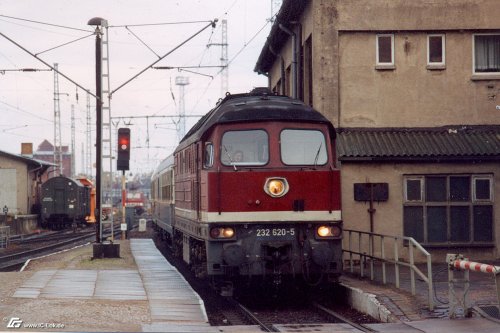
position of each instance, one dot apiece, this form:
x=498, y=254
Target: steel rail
x=341, y=318
x=256, y=320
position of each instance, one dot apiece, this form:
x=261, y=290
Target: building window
x=385, y=50
x=449, y=209
x=435, y=50
x=487, y=53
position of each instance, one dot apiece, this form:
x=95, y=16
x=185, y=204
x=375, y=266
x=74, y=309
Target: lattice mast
x=57, y=124
x=181, y=81
x=224, y=60
x=73, y=158
x=107, y=139
x=88, y=141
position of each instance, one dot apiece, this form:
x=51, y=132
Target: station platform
x=71, y=292
x=400, y=311
x=141, y=291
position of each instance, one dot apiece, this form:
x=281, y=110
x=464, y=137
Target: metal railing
x=373, y=247
x=4, y=237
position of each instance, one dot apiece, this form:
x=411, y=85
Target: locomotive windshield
x=245, y=148
x=303, y=147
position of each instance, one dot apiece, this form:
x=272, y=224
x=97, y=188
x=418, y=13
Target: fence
x=4, y=237
x=373, y=247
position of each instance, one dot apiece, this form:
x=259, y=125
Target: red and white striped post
x=475, y=266
x=458, y=262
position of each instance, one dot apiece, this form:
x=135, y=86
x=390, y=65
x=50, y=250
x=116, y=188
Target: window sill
x=485, y=77
x=436, y=67
x=385, y=67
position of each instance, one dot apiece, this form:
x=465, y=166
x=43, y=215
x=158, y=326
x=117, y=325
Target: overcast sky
x=27, y=98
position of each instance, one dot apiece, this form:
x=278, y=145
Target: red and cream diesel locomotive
x=252, y=192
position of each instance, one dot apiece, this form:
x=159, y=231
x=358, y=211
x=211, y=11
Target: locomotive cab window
x=303, y=147
x=245, y=148
x=208, y=160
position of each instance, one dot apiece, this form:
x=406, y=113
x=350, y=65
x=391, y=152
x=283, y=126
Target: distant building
x=45, y=152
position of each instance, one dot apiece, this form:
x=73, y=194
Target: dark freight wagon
x=64, y=201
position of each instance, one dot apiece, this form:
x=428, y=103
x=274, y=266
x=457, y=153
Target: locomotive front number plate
x=285, y=233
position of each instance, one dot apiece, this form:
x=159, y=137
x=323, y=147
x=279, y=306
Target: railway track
x=295, y=307
x=340, y=318
x=238, y=314
x=57, y=240
x=17, y=258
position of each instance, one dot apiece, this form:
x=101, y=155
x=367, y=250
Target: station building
x=20, y=179
x=413, y=89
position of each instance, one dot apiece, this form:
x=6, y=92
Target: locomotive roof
x=258, y=105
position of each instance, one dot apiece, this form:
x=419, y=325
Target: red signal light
x=123, y=149
x=124, y=143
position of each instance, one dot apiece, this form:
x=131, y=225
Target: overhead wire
x=155, y=24
x=24, y=111
x=45, y=23
x=67, y=43
x=232, y=59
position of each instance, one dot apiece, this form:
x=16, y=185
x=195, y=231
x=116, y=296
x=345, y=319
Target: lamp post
x=98, y=23
x=5, y=211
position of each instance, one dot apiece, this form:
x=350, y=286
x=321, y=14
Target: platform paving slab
x=171, y=298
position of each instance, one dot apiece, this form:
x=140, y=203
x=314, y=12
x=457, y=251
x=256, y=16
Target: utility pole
x=181, y=81
x=98, y=23
x=83, y=166
x=73, y=152
x=224, y=60
x=57, y=124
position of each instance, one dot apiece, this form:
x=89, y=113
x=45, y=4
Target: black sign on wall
x=371, y=191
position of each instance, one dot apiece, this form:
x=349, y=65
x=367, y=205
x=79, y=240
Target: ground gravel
x=75, y=314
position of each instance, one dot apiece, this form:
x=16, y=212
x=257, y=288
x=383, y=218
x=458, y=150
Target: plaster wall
x=411, y=95
x=388, y=218
x=22, y=190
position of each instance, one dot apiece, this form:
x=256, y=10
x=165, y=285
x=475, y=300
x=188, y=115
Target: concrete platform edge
x=368, y=304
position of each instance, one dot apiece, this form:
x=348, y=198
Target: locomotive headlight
x=276, y=187
x=228, y=232
x=324, y=231
x=222, y=232
x=329, y=231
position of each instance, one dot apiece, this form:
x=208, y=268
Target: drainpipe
x=283, y=76
x=294, y=58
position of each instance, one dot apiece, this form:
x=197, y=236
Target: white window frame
x=474, y=55
x=386, y=64
x=443, y=48
x=490, y=179
x=421, y=180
